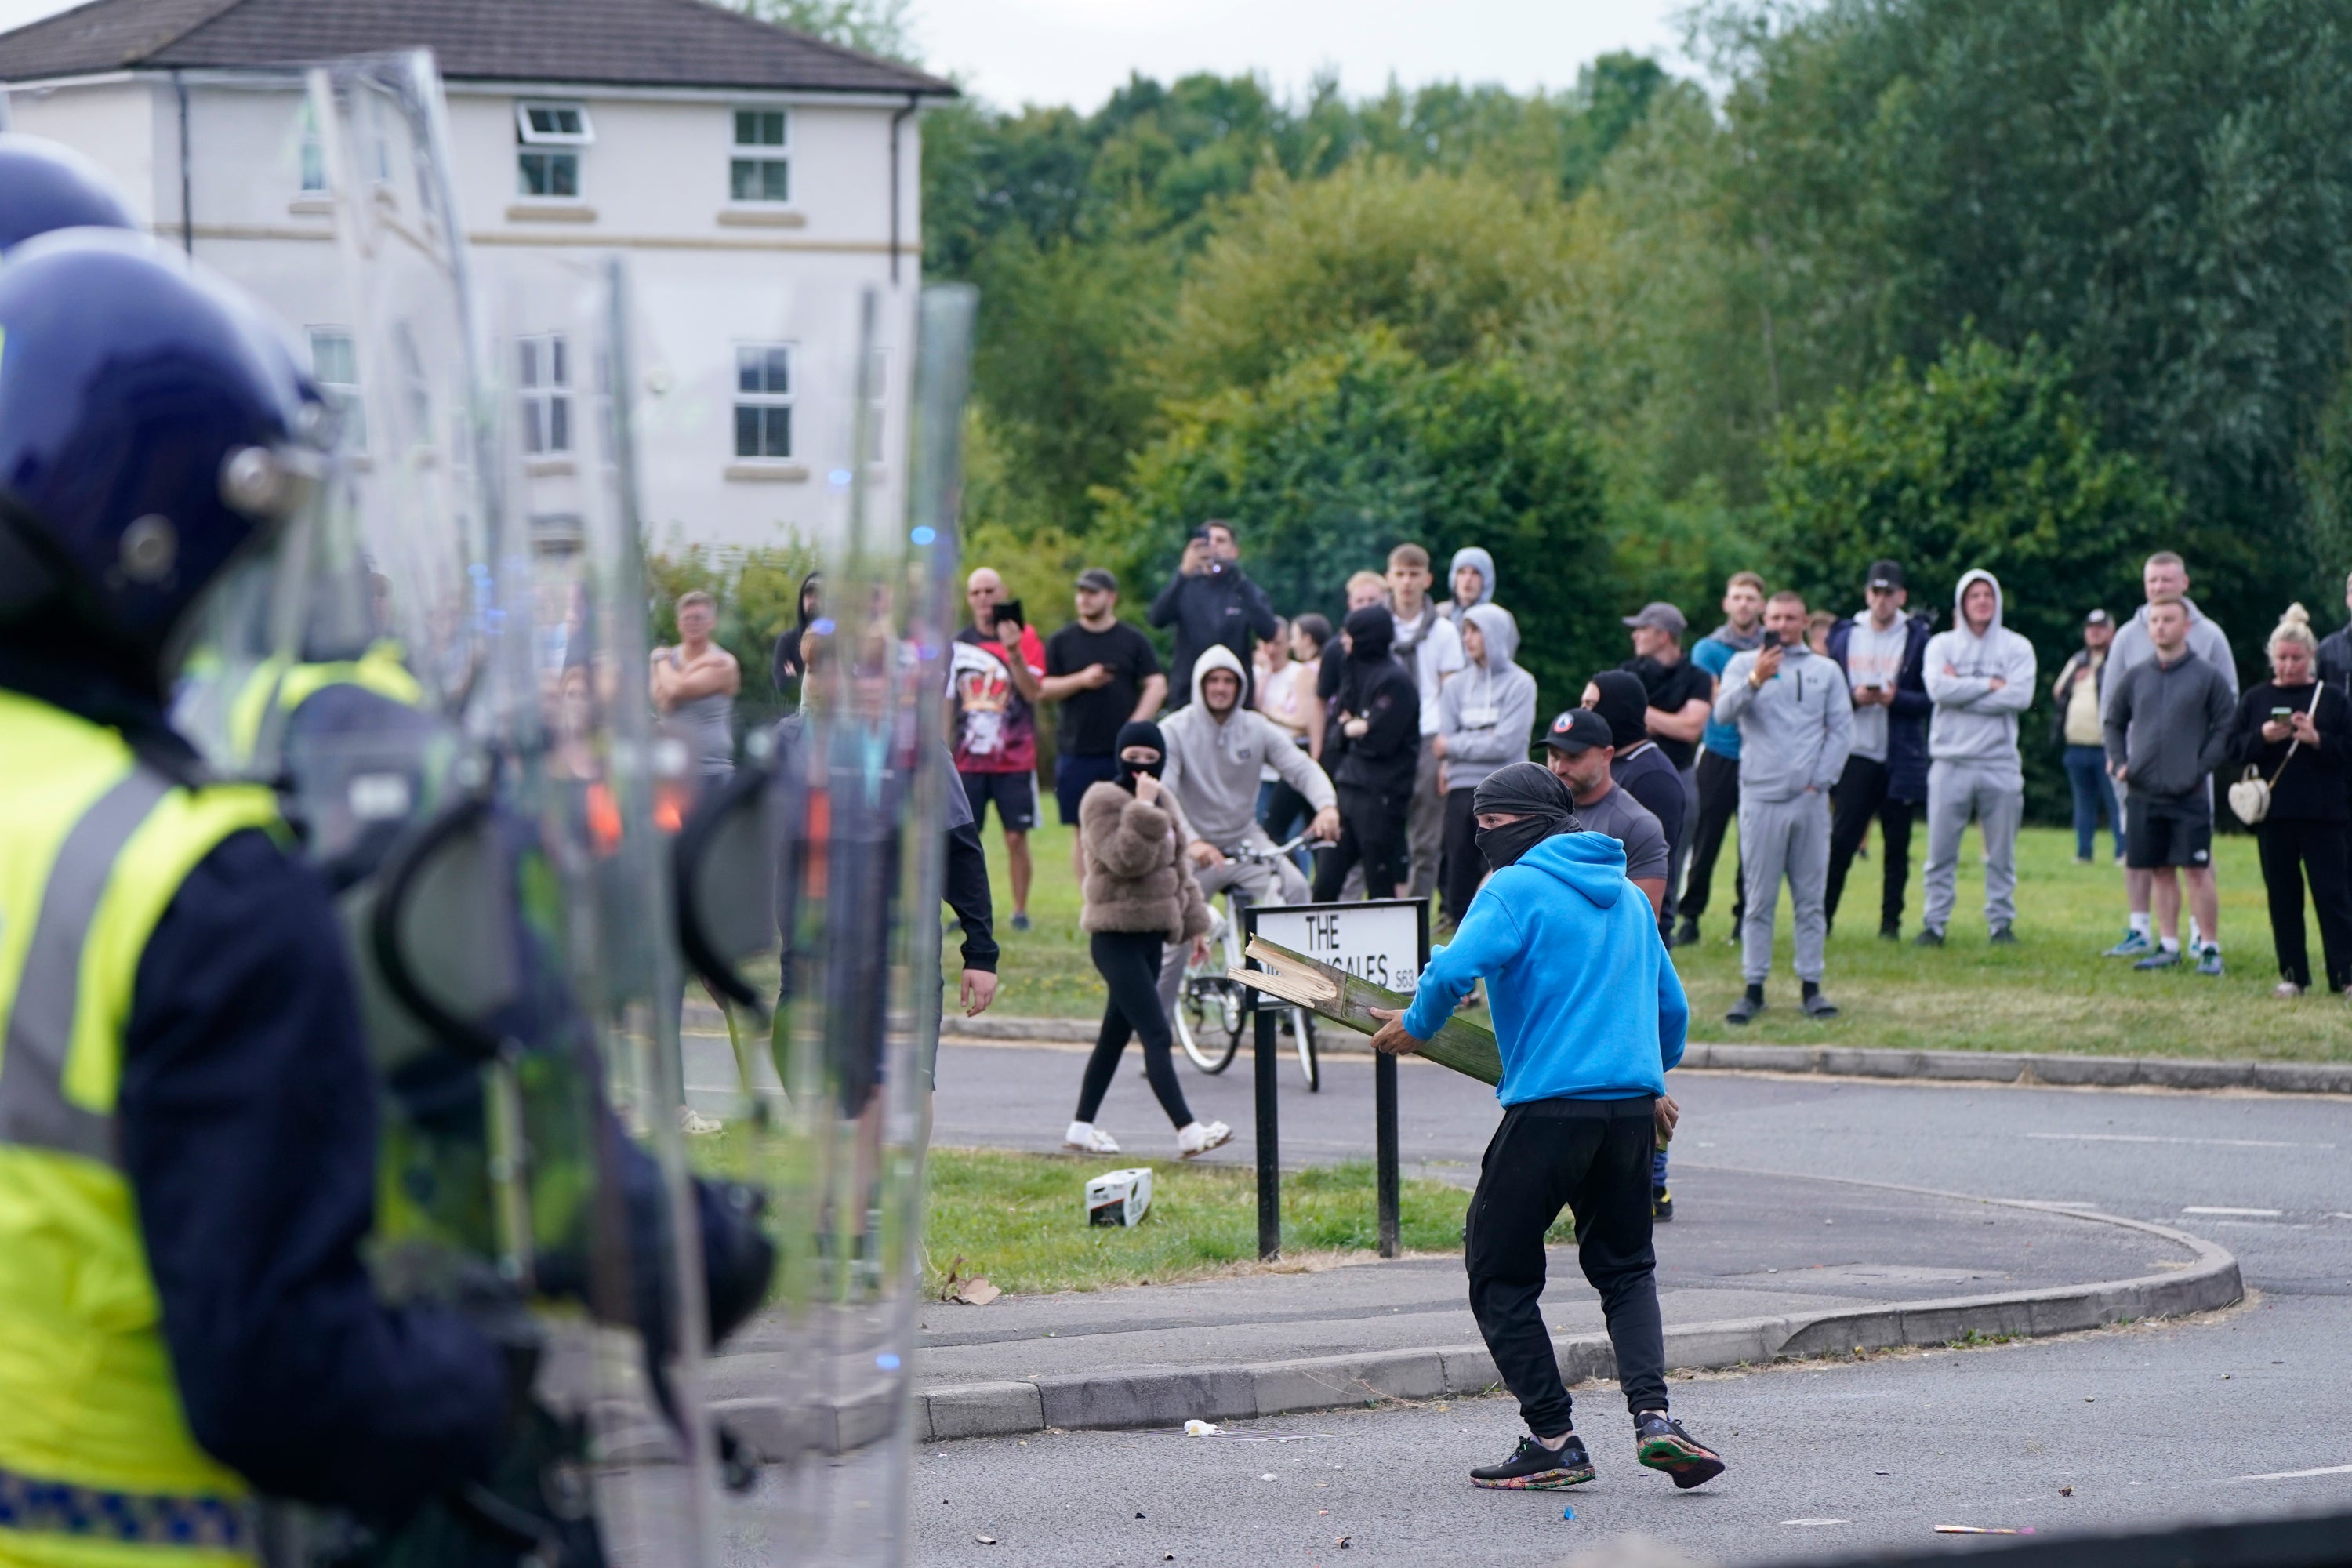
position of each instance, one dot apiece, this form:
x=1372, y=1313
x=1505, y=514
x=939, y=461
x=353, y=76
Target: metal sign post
x=1385, y=940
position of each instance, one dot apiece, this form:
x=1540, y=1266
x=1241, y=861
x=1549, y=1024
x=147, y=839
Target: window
x=761, y=172
x=551, y=135
x=312, y=155
x=764, y=400
x=334, y=366
x=543, y=380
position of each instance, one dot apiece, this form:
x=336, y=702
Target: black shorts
x=1015, y=796
x=2168, y=830
x=1073, y=777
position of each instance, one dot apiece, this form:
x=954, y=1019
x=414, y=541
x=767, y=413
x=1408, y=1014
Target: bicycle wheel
x=1200, y=1024
x=1303, y=1025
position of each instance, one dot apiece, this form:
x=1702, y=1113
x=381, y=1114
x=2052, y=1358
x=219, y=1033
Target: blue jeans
x=2086, y=774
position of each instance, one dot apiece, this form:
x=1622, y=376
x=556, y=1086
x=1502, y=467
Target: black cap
x=1577, y=730
x=1095, y=577
x=1886, y=574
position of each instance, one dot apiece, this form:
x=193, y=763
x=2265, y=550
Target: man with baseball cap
x=1883, y=653
x=1578, y=749
x=1680, y=693
x=1104, y=673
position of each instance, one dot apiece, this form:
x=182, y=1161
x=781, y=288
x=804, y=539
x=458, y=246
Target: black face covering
x=1540, y=799
x=1139, y=732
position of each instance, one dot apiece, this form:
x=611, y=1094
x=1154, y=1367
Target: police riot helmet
x=150, y=438
x=45, y=185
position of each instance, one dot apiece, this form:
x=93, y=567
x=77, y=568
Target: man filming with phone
x=995, y=679
x=1212, y=603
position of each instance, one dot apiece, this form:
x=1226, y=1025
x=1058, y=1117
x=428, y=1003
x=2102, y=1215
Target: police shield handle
x=1347, y=999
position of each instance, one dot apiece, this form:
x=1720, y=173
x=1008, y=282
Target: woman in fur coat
x=1140, y=893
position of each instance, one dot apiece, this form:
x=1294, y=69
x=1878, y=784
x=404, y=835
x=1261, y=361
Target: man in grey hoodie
x=2164, y=576
x=2168, y=728
x=1216, y=747
x=1486, y=717
x=1981, y=677
x=1471, y=579
x=1795, y=725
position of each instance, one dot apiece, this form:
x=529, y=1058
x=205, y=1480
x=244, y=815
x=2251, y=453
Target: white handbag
x=2250, y=797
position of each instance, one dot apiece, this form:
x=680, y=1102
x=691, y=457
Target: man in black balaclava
x=1588, y=1017
x=1375, y=735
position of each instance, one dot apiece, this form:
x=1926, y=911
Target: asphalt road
x=2146, y=1424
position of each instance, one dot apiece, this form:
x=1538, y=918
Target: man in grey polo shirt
x=1577, y=749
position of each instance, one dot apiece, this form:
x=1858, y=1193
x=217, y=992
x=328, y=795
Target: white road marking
x=2297, y=1475
x=2149, y=1138
x=2242, y=1213
x=1787, y=1521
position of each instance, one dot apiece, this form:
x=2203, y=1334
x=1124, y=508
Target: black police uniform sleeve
x=248, y=1135
x=967, y=893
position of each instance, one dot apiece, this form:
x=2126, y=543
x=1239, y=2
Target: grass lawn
x=2051, y=993
x=1020, y=1220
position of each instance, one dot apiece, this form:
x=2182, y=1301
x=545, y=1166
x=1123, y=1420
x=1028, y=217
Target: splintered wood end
x=1283, y=976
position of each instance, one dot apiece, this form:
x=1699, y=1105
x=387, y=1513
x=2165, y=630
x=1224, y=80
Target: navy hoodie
x=1587, y=1006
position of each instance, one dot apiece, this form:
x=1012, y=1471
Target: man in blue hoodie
x=1589, y=1015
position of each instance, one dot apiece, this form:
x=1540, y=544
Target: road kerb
x=1169, y=1397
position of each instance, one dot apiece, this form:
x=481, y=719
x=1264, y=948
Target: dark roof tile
x=634, y=43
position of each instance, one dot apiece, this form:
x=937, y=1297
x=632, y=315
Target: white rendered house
x=756, y=181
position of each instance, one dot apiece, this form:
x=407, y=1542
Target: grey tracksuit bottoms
x=1780, y=838
x=1994, y=795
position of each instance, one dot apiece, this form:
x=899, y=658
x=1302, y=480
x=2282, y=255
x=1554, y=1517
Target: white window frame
x=758, y=154
x=766, y=398
x=545, y=392
x=553, y=146
x=343, y=397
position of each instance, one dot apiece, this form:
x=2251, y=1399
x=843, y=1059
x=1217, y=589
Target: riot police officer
x=186, y=1111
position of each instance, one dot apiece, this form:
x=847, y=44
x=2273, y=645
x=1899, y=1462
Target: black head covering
x=1536, y=795
x=1625, y=705
x=1371, y=632
x=1139, y=732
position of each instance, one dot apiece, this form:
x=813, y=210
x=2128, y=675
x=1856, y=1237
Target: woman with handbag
x=2294, y=738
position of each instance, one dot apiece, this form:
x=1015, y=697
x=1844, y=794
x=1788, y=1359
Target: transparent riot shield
x=807, y=885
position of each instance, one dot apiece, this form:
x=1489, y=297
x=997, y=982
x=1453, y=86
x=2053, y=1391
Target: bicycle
x=1210, y=1003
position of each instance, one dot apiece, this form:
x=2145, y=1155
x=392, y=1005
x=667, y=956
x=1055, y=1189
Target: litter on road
x=1979, y=1530
x=1198, y=1428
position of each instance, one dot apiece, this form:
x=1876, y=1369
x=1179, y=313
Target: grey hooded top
x=1468, y=556
x=1973, y=722
x=1212, y=767
x=1795, y=732
x=1487, y=713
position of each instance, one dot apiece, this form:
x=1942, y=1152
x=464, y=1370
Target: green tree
x=1361, y=445
x=881, y=28
x=1985, y=460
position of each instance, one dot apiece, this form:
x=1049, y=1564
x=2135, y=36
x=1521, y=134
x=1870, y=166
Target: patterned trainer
x=1532, y=1468
x=1660, y=1442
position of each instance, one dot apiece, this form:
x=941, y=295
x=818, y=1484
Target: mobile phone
x=1010, y=610
x=2280, y=715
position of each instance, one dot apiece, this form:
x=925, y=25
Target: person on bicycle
x=1216, y=747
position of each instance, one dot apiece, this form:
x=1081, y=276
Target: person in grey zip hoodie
x=1795, y=725
x=1486, y=717
x=1980, y=676
x=1472, y=559
x=1215, y=747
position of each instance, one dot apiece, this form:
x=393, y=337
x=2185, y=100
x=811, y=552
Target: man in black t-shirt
x=1680, y=695
x=1104, y=673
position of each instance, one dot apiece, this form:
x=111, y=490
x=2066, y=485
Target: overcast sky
x=1078, y=51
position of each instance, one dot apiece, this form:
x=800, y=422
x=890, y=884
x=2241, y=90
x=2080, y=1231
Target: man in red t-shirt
x=995, y=726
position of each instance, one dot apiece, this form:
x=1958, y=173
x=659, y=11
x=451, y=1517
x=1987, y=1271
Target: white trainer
x=1089, y=1139
x=1200, y=1137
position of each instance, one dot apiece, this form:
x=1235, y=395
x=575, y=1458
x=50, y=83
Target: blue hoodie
x=1586, y=1004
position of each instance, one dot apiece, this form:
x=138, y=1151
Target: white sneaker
x=1201, y=1137
x=694, y=1125
x=2287, y=990
x=1089, y=1139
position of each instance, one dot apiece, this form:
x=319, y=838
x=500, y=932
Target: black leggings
x=1128, y=962
x=2291, y=848
x=1372, y=829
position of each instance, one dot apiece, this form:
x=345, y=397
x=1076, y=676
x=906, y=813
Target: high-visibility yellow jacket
x=98, y=1468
